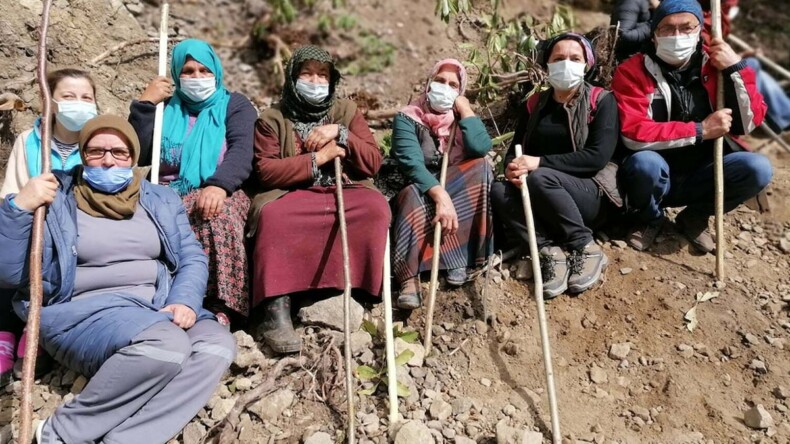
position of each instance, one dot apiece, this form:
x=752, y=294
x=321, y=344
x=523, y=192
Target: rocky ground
x=627, y=367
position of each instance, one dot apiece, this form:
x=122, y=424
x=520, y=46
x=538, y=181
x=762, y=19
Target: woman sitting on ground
x=74, y=103
x=124, y=281
x=206, y=156
x=420, y=135
x=294, y=220
x=569, y=134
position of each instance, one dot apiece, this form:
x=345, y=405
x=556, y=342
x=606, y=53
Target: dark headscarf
x=293, y=105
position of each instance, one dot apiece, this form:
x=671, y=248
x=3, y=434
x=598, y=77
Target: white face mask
x=676, y=50
x=200, y=89
x=314, y=93
x=73, y=114
x=441, y=97
x=566, y=74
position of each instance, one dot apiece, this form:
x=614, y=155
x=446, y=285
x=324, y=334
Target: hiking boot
x=409, y=297
x=44, y=362
x=586, y=267
x=7, y=344
x=278, y=329
x=642, y=235
x=554, y=271
x=456, y=276
x=695, y=229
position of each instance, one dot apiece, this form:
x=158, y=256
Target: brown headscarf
x=116, y=206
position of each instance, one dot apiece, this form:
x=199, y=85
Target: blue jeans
x=775, y=97
x=650, y=186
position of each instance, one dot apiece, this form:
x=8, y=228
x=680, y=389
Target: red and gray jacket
x=638, y=82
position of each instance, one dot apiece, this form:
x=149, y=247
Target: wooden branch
x=227, y=427
x=37, y=241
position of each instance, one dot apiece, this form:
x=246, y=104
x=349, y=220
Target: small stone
x=319, y=438
x=329, y=313
x=244, y=340
x=360, y=341
x=243, y=384
x=464, y=440
x=222, y=408
x=419, y=352
x=414, y=432
x=758, y=418
x=620, y=244
x=510, y=410
x=641, y=412
x=272, y=406
x=619, y=351
x=625, y=270
x=193, y=433
x=78, y=385
x=461, y=406
x=758, y=366
x=781, y=392
x=598, y=375
x=751, y=339
x=784, y=245
x=440, y=410
x=485, y=382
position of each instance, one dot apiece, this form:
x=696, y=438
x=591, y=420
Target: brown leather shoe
x=695, y=229
x=642, y=235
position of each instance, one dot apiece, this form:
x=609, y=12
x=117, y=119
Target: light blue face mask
x=314, y=93
x=73, y=114
x=107, y=180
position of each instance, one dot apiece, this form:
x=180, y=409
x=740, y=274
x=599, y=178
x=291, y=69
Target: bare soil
x=696, y=395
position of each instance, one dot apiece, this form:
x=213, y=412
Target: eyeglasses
x=93, y=153
x=669, y=30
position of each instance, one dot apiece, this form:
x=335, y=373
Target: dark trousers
x=564, y=208
x=651, y=185
x=9, y=321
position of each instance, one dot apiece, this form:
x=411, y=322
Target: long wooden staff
x=437, y=246
x=544, y=330
x=37, y=241
x=156, y=149
x=718, y=153
x=392, y=380
x=341, y=216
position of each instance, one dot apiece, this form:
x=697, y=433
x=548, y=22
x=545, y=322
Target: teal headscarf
x=199, y=151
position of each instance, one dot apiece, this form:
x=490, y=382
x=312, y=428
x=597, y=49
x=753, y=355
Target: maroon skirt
x=298, y=247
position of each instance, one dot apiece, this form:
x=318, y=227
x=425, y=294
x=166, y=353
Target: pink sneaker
x=43, y=360
x=7, y=343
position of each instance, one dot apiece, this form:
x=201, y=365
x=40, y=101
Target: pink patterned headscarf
x=421, y=112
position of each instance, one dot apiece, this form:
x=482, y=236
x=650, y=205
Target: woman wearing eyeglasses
x=207, y=146
x=74, y=103
x=124, y=279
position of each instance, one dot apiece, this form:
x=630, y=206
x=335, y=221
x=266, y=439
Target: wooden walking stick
x=156, y=149
x=718, y=153
x=392, y=381
x=437, y=246
x=544, y=331
x=341, y=216
x=37, y=241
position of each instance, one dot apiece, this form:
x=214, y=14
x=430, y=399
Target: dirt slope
x=673, y=385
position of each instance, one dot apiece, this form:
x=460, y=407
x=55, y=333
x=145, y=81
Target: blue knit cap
x=669, y=7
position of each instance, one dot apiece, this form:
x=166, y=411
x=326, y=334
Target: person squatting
x=142, y=281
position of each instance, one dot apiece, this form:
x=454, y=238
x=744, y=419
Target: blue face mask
x=314, y=93
x=107, y=180
x=73, y=114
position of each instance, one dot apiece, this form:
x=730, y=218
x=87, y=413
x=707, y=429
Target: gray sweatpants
x=149, y=390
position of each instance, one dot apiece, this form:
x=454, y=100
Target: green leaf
x=365, y=373
x=409, y=336
x=370, y=327
x=404, y=357
x=403, y=391
x=504, y=138
x=369, y=391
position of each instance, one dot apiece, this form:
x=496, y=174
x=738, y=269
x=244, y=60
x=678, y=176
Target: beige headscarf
x=116, y=206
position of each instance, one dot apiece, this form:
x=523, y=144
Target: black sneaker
x=586, y=266
x=642, y=235
x=554, y=271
